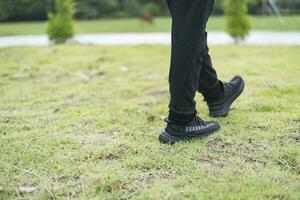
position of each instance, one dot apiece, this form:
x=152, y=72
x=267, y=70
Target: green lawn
x=135, y=25
x=82, y=122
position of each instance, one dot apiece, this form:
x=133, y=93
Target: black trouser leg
x=189, y=56
x=209, y=85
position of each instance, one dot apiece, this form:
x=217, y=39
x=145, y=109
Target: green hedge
x=22, y=10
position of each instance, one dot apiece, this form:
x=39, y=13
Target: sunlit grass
x=83, y=122
x=161, y=24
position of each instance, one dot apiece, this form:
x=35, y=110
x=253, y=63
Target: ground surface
x=134, y=25
x=82, y=122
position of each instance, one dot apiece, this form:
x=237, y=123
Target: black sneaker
x=197, y=128
x=232, y=90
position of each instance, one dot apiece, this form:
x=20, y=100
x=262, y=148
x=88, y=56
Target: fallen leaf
x=56, y=110
x=151, y=118
x=26, y=189
x=124, y=69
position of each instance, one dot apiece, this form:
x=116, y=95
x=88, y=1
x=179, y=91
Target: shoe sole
x=167, y=138
x=224, y=112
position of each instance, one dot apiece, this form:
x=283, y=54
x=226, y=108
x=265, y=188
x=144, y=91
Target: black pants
x=191, y=67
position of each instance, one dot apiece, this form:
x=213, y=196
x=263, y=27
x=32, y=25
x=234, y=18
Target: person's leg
x=219, y=96
x=188, y=55
x=187, y=59
x=209, y=85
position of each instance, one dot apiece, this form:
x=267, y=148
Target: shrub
x=131, y=7
x=91, y=9
x=151, y=9
x=24, y=10
x=61, y=25
x=237, y=19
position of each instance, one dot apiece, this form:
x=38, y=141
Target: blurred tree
x=255, y=6
x=237, y=19
x=218, y=7
x=147, y=13
x=25, y=10
x=60, y=26
x=88, y=9
x=130, y=8
x=159, y=7
x=151, y=9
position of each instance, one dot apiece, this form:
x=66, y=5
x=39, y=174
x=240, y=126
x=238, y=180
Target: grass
x=161, y=24
x=82, y=122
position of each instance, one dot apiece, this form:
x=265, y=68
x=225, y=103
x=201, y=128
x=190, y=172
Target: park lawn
x=82, y=122
x=161, y=24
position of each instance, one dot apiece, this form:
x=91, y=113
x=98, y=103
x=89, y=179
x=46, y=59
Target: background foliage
x=60, y=26
x=237, y=19
x=20, y=10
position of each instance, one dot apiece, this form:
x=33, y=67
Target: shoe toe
x=213, y=126
x=237, y=80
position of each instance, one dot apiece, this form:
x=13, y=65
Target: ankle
x=214, y=93
x=180, y=119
